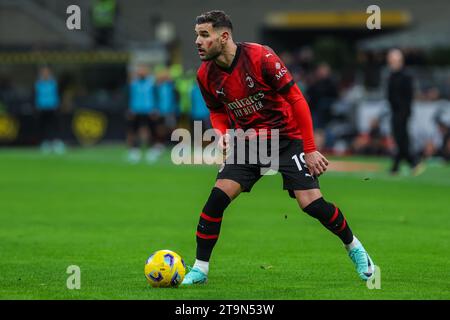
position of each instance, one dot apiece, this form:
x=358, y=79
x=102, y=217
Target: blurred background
x=62, y=89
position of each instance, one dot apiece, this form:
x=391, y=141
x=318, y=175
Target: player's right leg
x=208, y=228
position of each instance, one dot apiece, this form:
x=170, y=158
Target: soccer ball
x=164, y=268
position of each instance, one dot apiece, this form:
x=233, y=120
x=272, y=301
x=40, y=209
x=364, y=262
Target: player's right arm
x=218, y=116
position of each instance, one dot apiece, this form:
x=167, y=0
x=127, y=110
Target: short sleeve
x=274, y=71
x=210, y=100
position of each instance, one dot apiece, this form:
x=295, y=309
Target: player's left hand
x=316, y=163
x=224, y=144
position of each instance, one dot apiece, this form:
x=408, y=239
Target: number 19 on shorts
x=299, y=160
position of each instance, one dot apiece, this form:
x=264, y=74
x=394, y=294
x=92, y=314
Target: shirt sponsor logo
x=280, y=74
x=246, y=106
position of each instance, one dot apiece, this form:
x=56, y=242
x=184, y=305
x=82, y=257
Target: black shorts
x=291, y=165
x=136, y=121
x=48, y=124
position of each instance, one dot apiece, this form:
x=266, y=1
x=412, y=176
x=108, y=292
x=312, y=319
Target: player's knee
x=320, y=209
x=231, y=188
x=306, y=197
x=217, y=202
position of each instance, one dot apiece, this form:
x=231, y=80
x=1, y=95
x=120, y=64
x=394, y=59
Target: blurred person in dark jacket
x=322, y=94
x=400, y=97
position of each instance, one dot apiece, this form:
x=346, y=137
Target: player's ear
x=225, y=36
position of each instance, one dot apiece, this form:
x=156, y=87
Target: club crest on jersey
x=249, y=81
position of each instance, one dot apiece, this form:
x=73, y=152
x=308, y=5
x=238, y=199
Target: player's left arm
x=279, y=78
x=315, y=161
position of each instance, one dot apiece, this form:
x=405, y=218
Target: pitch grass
x=92, y=209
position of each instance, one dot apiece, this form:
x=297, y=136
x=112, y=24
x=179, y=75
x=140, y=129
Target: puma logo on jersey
x=221, y=93
x=269, y=55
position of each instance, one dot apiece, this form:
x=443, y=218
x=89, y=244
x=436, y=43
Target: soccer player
x=253, y=73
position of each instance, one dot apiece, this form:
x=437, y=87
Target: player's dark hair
x=217, y=18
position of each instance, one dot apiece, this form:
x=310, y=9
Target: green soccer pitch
x=92, y=209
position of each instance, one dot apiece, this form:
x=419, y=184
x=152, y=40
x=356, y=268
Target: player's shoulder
x=203, y=71
x=257, y=54
x=261, y=51
x=255, y=48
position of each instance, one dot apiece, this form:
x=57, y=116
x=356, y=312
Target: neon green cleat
x=195, y=276
x=364, y=264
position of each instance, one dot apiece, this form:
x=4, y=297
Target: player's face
x=208, y=41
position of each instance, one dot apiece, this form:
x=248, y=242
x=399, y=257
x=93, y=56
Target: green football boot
x=195, y=276
x=362, y=261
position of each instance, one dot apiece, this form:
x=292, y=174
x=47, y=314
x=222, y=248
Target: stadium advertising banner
x=82, y=127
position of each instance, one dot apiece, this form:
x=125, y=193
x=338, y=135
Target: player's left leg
x=305, y=188
x=330, y=216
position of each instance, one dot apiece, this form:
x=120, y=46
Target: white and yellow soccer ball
x=165, y=268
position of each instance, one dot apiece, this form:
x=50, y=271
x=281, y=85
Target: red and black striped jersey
x=249, y=91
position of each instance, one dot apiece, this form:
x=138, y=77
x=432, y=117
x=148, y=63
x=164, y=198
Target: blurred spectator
x=167, y=106
x=141, y=115
x=104, y=14
x=370, y=63
x=444, y=152
x=373, y=142
x=300, y=79
x=199, y=115
x=184, y=85
x=322, y=93
x=47, y=105
x=199, y=110
x=288, y=59
x=442, y=119
x=306, y=60
x=400, y=95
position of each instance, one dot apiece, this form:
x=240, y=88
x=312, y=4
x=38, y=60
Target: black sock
x=331, y=217
x=208, y=227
